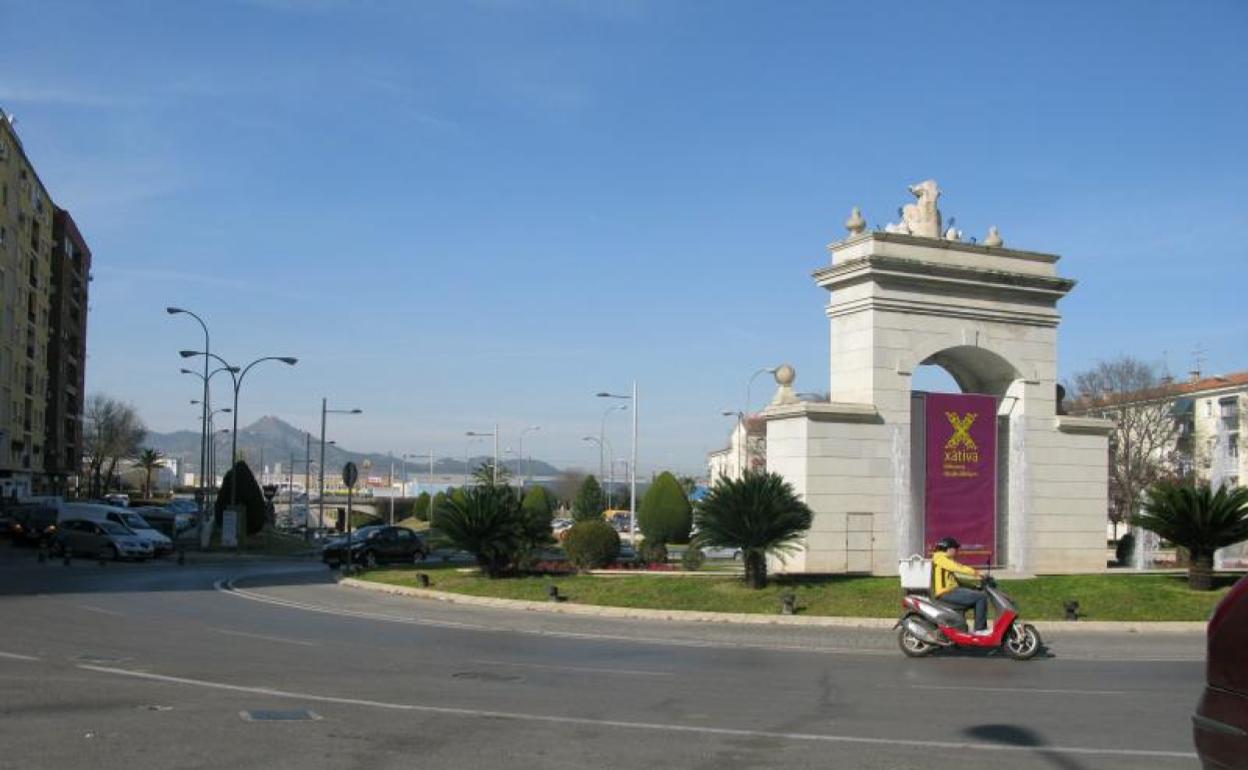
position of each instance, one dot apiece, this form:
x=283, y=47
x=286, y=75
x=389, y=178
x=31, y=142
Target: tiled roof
x=1165, y=392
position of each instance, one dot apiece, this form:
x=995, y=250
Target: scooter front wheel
x=913, y=646
x=1022, y=642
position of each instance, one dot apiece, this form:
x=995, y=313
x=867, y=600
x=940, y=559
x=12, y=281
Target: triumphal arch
x=887, y=469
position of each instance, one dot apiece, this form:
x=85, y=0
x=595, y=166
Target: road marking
x=226, y=587
x=265, y=637
x=100, y=610
x=16, y=656
x=584, y=669
x=1019, y=690
x=647, y=726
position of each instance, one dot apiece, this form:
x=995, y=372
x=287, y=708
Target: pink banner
x=960, y=497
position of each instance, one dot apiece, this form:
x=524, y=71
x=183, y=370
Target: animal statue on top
x=921, y=217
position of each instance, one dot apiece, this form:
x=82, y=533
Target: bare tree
x=112, y=431
x=1145, y=445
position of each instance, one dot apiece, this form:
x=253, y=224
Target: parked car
x=100, y=539
x=118, y=499
x=375, y=545
x=161, y=544
x=1220, y=724
x=32, y=524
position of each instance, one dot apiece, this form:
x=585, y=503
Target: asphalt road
x=159, y=666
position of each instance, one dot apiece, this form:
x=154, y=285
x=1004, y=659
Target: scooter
x=927, y=625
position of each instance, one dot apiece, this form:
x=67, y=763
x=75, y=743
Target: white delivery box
x=916, y=573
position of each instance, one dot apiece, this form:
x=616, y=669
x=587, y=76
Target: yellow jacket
x=943, y=569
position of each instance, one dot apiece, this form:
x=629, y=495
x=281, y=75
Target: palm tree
x=149, y=460
x=758, y=513
x=1198, y=519
x=485, y=521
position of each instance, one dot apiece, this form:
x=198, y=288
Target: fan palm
x=758, y=513
x=149, y=461
x=485, y=521
x=1198, y=519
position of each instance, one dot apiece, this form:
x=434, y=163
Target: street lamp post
x=740, y=438
x=429, y=512
x=206, y=472
x=203, y=435
x=520, y=454
x=632, y=471
x=467, y=445
x=325, y=410
x=745, y=412
x=484, y=434
x=237, y=375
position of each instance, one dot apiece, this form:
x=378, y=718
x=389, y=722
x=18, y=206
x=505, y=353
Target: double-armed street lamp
x=325, y=410
x=609, y=478
x=486, y=434
x=237, y=376
x=632, y=471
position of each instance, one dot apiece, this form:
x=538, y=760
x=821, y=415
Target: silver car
x=101, y=539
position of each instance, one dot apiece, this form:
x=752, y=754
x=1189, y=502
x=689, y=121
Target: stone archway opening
x=975, y=496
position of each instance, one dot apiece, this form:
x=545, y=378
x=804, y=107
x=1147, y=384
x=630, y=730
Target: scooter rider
x=946, y=588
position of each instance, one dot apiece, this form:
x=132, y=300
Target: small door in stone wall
x=858, y=543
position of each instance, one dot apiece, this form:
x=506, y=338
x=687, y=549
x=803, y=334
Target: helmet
x=947, y=543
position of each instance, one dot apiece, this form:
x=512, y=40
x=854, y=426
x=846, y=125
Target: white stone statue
x=994, y=237
x=856, y=225
x=921, y=217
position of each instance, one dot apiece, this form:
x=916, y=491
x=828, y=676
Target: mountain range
x=270, y=440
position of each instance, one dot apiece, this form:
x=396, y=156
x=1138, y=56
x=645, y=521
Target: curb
x=743, y=618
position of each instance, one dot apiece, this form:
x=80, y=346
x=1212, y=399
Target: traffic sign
x=350, y=475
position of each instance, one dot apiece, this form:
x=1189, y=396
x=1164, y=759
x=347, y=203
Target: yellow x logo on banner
x=961, y=430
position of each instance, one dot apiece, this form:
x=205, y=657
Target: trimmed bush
x=592, y=544
x=652, y=552
x=421, y=508
x=1125, y=550
x=666, y=515
x=250, y=496
x=589, y=503
x=693, y=558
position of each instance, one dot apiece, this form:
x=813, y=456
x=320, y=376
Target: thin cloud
x=60, y=97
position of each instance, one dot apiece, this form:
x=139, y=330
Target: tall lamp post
x=608, y=468
x=212, y=445
x=632, y=471
x=484, y=434
x=207, y=489
x=237, y=375
x=203, y=435
x=520, y=453
x=412, y=455
x=325, y=410
x=740, y=438
x=745, y=412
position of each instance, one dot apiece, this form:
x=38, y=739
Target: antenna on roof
x=1198, y=361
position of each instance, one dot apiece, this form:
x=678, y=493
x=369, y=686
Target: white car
x=132, y=521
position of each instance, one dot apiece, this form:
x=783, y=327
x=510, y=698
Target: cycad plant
x=1197, y=518
x=758, y=513
x=486, y=521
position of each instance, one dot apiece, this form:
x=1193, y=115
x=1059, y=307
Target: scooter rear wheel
x=913, y=646
x=1022, y=643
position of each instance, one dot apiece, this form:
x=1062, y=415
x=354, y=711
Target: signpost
x=350, y=475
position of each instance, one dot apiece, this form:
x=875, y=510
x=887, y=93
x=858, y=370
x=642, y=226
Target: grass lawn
x=1101, y=597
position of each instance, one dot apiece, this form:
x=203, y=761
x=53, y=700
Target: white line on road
x=227, y=587
x=582, y=669
x=100, y=610
x=16, y=656
x=650, y=726
x=265, y=637
x=1018, y=690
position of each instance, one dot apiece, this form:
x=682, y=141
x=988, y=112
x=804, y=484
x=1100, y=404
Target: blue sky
x=469, y=212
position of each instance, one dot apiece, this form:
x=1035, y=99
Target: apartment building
x=44, y=268
x=25, y=285
x=67, y=354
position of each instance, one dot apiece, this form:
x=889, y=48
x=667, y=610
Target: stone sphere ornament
x=785, y=375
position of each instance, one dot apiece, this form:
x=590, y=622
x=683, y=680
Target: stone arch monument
x=880, y=464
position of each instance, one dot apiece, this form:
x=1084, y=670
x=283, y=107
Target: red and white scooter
x=927, y=624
